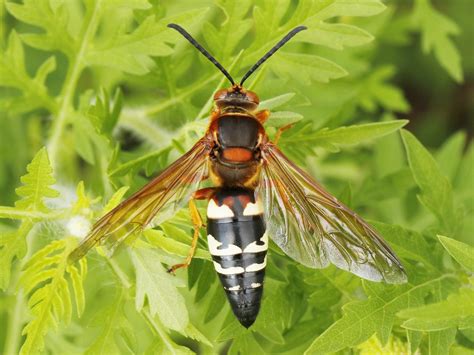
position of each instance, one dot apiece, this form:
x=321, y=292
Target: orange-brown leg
x=280, y=131
x=262, y=116
x=197, y=225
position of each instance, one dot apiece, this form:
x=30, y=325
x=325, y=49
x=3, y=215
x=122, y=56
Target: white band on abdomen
x=228, y=271
x=214, y=245
x=255, y=248
x=253, y=209
x=257, y=267
x=217, y=212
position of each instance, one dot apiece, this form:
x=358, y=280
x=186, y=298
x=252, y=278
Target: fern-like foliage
x=37, y=184
x=36, y=187
x=50, y=303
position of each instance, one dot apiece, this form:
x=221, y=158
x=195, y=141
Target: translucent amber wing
x=161, y=197
x=314, y=228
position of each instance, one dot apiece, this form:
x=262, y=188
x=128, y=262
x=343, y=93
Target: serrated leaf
x=52, y=19
x=436, y=30
x=12, y=245
x=246, y=344
x=449, y=156
x=332, y=139
x=335, y=8
x=377, y=91
x=132, y=52
x=148, y=161
x=276, y=101
x=283, y=118
x=111, y=320
x=436, y=190
x=306, y=68
x=115, y=199
x=105, y=112
x=172, y=246
x=36, y=184
x=155, y=284
x=50, y=303
x=224, y=40
x=461, y=252
x=335, y=35
x=34, y=93
x=217, y=302
x=439, y=342
x=361, y=319
x=165, y=345
x=456, y=311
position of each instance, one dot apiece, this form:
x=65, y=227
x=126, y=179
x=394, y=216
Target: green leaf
x=50, y=299
x=436, y=190
x=335, y=35
x=283, y=118
x=154, y=283
x=306, y=67
x=53, y=20
x=277, y=101
x=13, y=74
x=361, y=319
x=393, y=346
x=461, y=252
x=150, y=162
x=173, y=246
x=165, y=345
x=132, y=52
x=333, y=8
x=456, y=311
x=375, y=91
x=36, y=184
x=246, y=344
x=104, y=113
x=12, y=245
x=332, y=139
x=440, y=342
x=111, y=321
x=436, y=30
x=224, y=39
x=450, y=155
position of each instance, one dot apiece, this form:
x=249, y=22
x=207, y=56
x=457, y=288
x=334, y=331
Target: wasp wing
x=165, y=194
x=315, y=229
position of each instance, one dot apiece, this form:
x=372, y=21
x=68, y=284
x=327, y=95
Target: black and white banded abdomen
x=238, y=244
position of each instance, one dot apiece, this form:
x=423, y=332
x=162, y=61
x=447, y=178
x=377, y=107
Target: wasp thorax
x=236, y=96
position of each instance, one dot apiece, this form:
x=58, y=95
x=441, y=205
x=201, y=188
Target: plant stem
x=15, y=321
x=153, y=323
x=14, y=326
x=179, y=97
x=122, y=276
x=75, y=68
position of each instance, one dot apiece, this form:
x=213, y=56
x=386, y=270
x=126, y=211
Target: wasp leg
x=262, y=116
x=280, y=131
x=197, y=225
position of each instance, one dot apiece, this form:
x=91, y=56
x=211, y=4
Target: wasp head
x=236, y=96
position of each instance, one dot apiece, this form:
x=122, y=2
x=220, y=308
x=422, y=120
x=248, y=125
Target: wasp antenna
x=201, y=49
x=285, y=39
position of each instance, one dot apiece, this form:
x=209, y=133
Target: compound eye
x=220, y=94
x=252, y=97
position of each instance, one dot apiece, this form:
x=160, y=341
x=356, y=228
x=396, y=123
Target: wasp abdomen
x=238, y=245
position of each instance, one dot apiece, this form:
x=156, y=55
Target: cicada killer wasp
x=258, y=194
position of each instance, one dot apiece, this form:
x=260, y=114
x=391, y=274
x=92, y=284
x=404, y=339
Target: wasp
x=258, y=194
